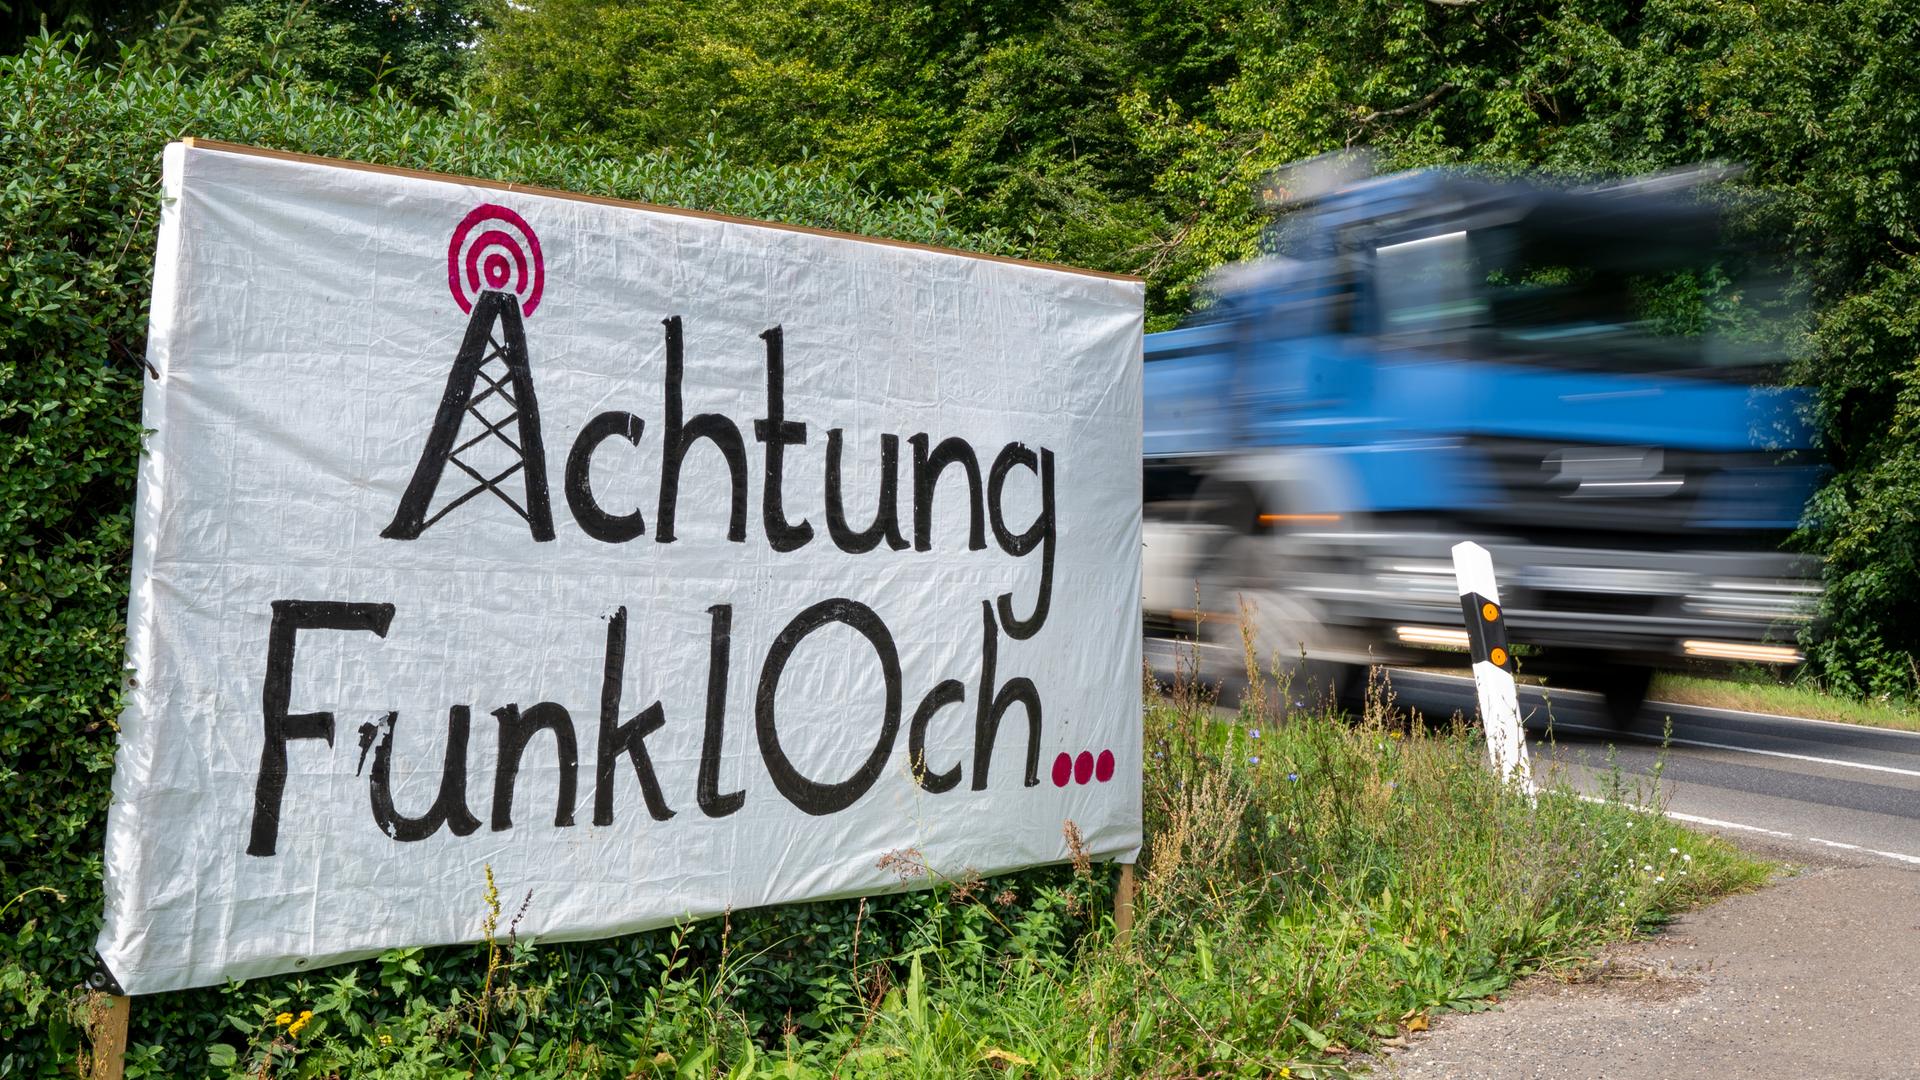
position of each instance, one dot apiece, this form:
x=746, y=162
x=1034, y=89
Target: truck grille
x=1660, y=493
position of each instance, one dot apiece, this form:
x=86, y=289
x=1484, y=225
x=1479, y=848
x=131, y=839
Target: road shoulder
x=1813, y=975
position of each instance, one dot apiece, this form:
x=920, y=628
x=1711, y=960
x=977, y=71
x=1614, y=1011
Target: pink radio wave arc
x=496, y=258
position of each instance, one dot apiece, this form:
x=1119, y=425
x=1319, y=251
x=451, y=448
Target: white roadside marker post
x=1492, y=664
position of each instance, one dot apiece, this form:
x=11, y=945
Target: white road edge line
x=1699, y=708
x=1783, y=716
x=1915, y=773
x=1650, y=704
x=1695, y=819
x=1716, y=823
x=1703, y=744
x=1914, y=859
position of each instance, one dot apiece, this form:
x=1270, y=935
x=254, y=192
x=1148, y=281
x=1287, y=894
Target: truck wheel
x=1279, y=622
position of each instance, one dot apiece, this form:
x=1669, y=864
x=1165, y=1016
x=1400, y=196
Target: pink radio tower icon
x=493, y=250
x=488, y=423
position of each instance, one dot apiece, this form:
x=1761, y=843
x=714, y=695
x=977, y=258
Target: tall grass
x=1312, y=884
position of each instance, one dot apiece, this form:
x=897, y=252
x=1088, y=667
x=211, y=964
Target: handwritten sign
x=659, y=562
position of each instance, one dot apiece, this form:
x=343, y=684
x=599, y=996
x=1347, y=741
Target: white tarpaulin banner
x=662, y=563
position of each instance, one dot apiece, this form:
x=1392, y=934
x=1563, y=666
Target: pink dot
x=496, y=270
x=1103, y=769
x=1083, y=767
x=1062, y=769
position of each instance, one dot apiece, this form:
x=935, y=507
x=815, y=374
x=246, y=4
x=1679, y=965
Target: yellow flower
x=385, y=1039
x=294, y=1028
x=283, y=1019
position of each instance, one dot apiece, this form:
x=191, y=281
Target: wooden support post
x=1123, y=904
x=109, y=1012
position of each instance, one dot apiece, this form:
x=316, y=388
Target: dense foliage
x=417, y=48
x=1015, y=105
x=1138, y=136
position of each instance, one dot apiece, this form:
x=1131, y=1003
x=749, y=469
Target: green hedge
x=80, y=149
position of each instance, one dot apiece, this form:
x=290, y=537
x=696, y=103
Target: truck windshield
x=1606, y=298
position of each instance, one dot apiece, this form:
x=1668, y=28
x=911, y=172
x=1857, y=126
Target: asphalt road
x=1840, y=786
x=1812, y=977
x=1794, y=782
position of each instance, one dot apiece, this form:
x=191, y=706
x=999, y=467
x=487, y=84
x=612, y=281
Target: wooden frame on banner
x=196, y=143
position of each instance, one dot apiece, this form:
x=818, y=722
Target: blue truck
x=1581, y=380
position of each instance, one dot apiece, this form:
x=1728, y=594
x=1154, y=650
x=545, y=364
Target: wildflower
x=1673, y=851
x=386, y=1039
x=1686, y=858
x=1157, y=755
x=1658, y=878
x=283, y=1019
x=294, y=1028
x=1648, y=867
x=1254, y=760
x=1398, y=735
x=1293, y=778
x=1253, y=732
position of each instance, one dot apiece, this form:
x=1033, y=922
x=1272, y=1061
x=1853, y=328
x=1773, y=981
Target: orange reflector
x=1498, y=656
x=1289, y=519
x=1489, y=612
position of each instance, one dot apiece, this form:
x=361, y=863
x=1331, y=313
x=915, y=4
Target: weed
x=1312, y=884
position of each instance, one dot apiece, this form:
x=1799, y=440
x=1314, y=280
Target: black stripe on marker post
x=1486, y=631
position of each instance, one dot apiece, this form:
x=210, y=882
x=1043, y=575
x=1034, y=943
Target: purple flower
x=1293, y=778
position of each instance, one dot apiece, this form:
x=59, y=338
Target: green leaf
x=1312, y=1035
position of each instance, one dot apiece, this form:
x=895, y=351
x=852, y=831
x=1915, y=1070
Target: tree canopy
x=1136, y=136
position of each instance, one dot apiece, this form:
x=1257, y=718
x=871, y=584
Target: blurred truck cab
x=1581, y=380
